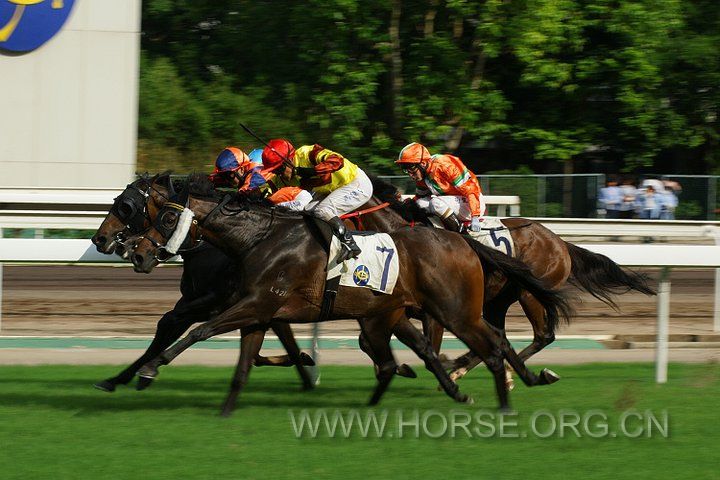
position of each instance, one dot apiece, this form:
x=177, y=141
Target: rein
x=355, y=217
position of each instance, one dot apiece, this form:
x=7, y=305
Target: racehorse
x=284, y=266
x=549, y=257
x=208, y=280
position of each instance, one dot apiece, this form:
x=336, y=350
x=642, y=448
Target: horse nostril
x=99, y=240
x=137, y=259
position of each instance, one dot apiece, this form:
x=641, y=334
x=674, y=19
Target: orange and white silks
x=447, y=175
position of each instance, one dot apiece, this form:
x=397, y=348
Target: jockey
x=233, y=169
x=445, y=187
x=338, y=185
x=255, y=156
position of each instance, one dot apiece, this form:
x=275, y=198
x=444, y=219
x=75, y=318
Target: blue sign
x=27, y=24
x=361, y=276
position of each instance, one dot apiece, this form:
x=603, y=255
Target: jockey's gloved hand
x=305, y=172
x=475, y=224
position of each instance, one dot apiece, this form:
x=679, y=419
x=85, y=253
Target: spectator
x=627, y=209
x=611, y=198
x=672, y=190
x=650, y=202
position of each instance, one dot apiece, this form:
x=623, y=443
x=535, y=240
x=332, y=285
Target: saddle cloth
x=376, y=268
x=495, y=235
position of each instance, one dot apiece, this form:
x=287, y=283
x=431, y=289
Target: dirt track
x=115, y=301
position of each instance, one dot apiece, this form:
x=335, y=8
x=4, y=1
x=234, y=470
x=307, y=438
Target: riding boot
x=349, y=247
x=451, y=222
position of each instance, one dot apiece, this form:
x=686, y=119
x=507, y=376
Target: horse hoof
x=143, y=383
x=148, y=371
x=458, y=374
x=105, y=386
x=306, y=360
x=549, y=376
x=466, y=399
x=406, y=371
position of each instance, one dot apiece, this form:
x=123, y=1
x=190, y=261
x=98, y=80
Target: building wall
x=68, y=110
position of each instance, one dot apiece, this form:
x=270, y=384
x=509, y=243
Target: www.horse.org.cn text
x=401, y=424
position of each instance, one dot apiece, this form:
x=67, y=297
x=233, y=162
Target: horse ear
x=166, y=181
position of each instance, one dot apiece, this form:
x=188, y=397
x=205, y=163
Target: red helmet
x=277, y=152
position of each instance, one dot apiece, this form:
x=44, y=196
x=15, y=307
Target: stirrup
x=346, y=249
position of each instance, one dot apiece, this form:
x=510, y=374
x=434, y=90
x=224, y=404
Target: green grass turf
x=53, y=424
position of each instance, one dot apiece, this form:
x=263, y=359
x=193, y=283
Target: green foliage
x=550, y=80
x=689, y=211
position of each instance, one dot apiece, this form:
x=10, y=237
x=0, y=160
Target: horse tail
x=556, y=305
x=601, y=277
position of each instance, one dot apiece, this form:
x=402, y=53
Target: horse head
x=132, y=212
x=177, y=226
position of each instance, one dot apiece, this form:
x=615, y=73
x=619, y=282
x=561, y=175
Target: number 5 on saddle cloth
x=494, y=234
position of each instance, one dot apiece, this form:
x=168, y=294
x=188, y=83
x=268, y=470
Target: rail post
x=663, y=320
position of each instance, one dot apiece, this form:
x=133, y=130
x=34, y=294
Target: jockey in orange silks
x=445, y=187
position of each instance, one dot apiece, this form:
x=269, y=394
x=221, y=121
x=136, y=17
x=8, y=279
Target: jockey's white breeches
x=298, y=203
x=447, y=204
x=344, y=199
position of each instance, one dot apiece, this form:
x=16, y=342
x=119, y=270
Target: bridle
x=166, y=224
x=168, y=221
x=130, y=207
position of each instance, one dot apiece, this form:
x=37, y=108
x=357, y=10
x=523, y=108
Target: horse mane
x=387, y=192
x=199, y=185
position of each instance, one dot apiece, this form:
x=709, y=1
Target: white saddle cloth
x=376, y=268
x=495, y=235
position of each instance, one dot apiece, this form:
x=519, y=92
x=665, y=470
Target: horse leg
x=541, y=336
x=169, y=329
x=546, y=376
x=419, y=344
x=286, y=337
x=494, y=312
x=377, y=333
x=433, y=331
x=403, y=370
x=284, y=333
x=486, y=345
x=250, y=344
x=236, y=317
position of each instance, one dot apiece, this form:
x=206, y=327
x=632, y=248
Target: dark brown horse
x=550, y=259
x=208, y=280
x=283, y=262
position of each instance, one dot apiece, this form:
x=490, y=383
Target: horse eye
x=169, y=219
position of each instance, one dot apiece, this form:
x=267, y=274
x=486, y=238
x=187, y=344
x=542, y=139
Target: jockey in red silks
x=234, y=169
x=338, y=185
x=445, y=187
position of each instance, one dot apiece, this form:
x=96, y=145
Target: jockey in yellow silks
x=338, y=185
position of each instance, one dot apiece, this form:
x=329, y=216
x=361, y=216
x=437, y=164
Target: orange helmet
x=277, y=152
x=413, y=153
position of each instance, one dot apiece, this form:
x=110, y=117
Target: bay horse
x=283, y=261
x=550, y=258
x=209, y=277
